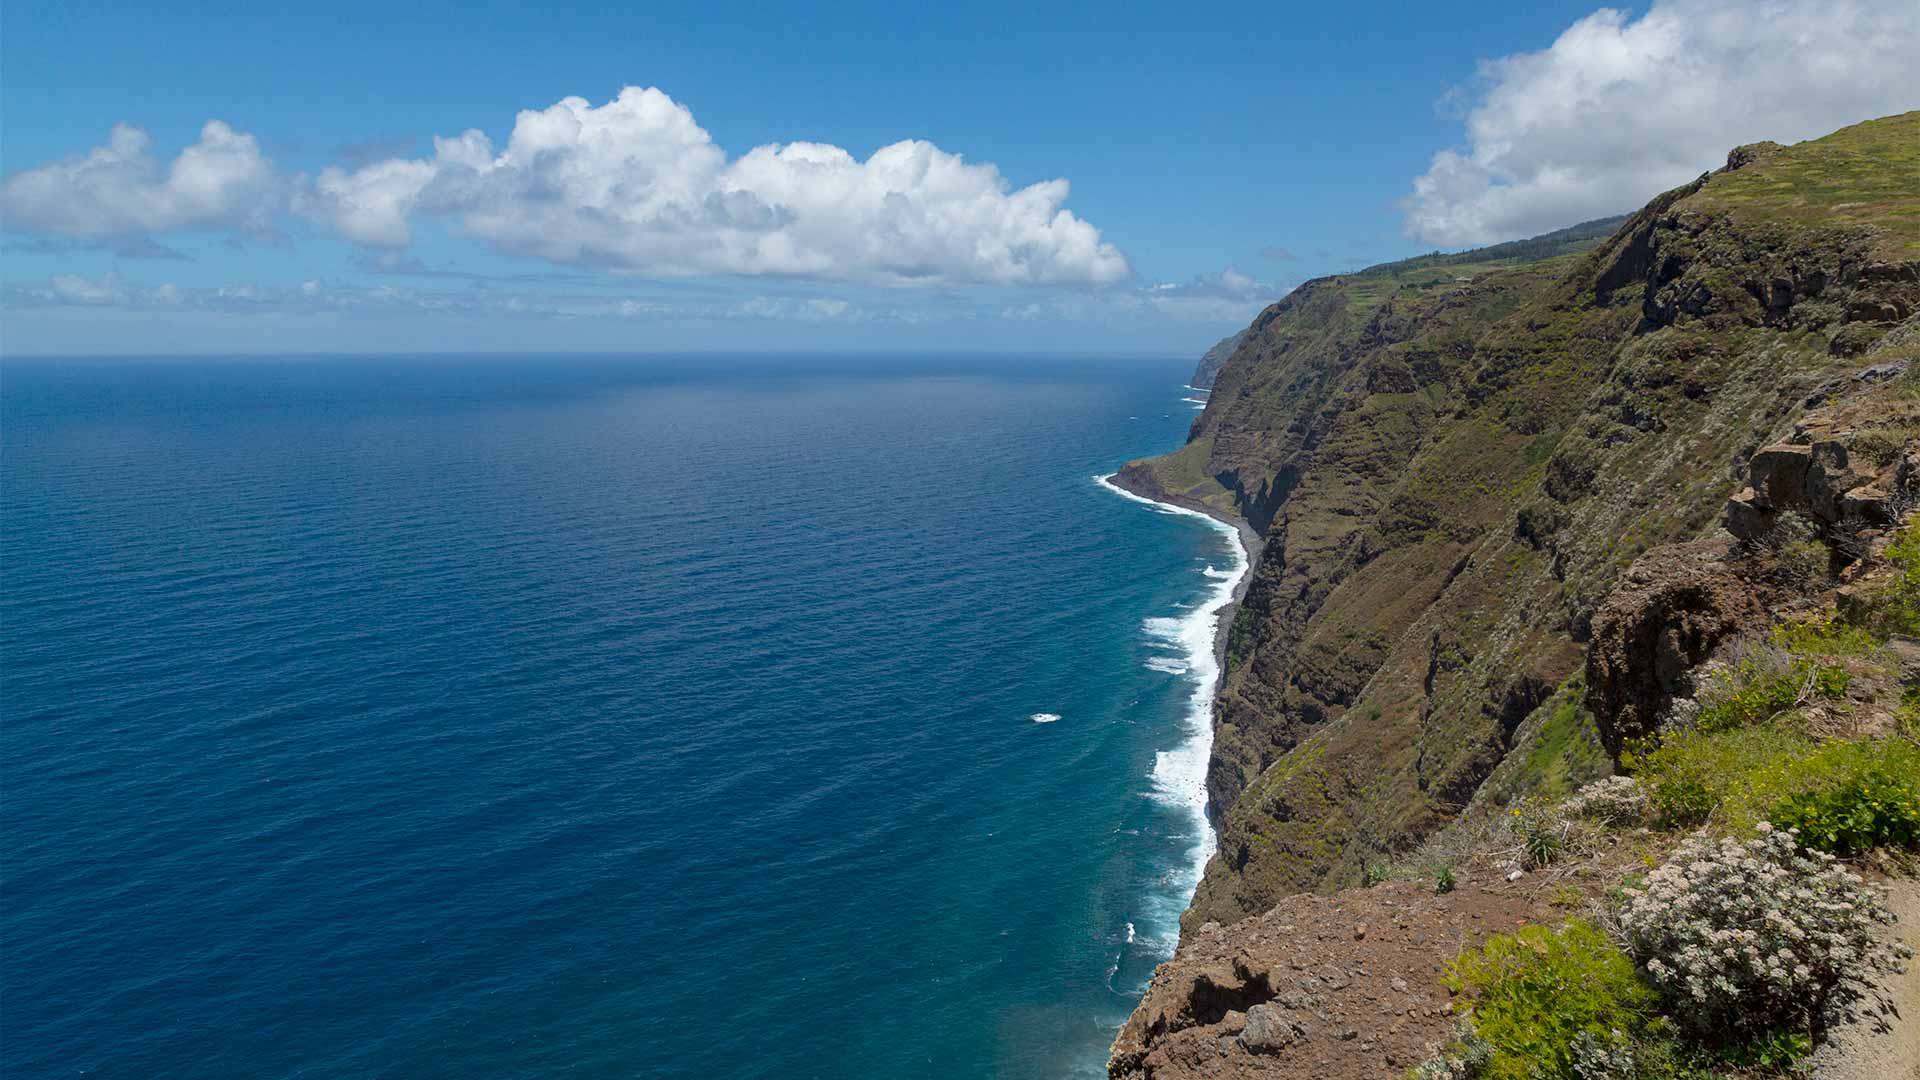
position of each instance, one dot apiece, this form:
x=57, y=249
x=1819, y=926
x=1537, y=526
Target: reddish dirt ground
x=1334, y=987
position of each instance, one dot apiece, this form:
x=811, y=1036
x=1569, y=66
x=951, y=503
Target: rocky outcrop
x=1675, y=605
x=1741, y=156
x=1818, y=473
x=1843, y=473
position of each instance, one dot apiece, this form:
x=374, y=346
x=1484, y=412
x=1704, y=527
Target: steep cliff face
x=1453, y=464
x=1215, y=358
x=1510, y=504
x=1352, y=983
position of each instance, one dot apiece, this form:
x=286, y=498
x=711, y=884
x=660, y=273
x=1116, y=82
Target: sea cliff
x=1510, y=500
x=1212, y=360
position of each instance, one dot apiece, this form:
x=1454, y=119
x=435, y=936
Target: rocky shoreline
x=1143, y=483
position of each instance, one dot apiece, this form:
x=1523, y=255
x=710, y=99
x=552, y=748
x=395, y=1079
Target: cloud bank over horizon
x=1618, y=109
x=1228, y=296
x=133, y=313
x=633, y=186
x=119, y=195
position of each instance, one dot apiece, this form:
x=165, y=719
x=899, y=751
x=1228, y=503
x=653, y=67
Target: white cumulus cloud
x=1619, y=109
x=121, y=191
x=637, y=185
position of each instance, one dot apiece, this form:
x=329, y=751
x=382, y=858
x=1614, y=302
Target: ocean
x=625, y=717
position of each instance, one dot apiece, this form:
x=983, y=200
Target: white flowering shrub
x=1757, y=935
x=1465, y=1058
x=1612, y=1057
x=1616, y=800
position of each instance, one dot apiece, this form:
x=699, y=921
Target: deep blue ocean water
x=605, y=717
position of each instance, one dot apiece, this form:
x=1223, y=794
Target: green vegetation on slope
x=1863, y=177
x=1494, y=569
x=1555, y=750
x=1541, y=993
x=1452, y=475
x=1750, y=755
x=1184, y=473
x=1439, y=270
x=1567, y=241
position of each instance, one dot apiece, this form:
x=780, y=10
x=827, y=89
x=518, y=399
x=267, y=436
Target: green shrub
x=1894, y=606
x=1802, y=563
x=1849, y=797
x=1843, y=796
x=1794, y=554
x=1568, y=1004
x=1907, y=715
x=1540, y=992
x=1904, y=552
x=1878, y=446
x=1826, y=636
x=1768, y=1053
x=1698, y=774
x=1542, y=831
x=1443, y=882
x=1763, y=685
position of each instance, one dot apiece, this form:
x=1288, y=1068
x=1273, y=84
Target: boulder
x=1828, y=478
x=1271, y=1029
x=1672, y=608
x=1870, y=504
x=1746, y=519
x=1778, y=475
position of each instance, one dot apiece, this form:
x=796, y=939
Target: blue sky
x=1212, y=158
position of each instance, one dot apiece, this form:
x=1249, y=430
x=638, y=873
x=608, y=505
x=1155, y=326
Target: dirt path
x=1885, y=1047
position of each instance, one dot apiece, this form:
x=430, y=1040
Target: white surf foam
x=1167, y=664
x=1165, y=629
x=1218, y=575
x=1180, y=774
x=1044, y=717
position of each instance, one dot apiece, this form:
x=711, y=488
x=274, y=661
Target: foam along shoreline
x=1180, y=774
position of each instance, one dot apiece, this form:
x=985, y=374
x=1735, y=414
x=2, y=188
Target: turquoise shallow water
x=610, y=717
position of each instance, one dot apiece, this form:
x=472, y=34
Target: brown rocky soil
x=1334, y=987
